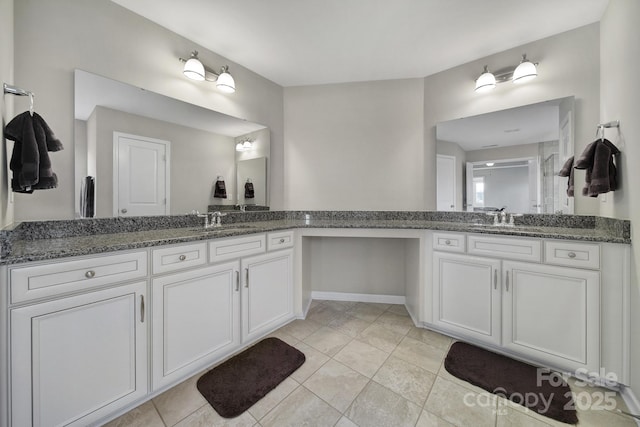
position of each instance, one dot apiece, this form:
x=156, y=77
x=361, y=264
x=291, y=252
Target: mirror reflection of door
x=141, y=175
x=446, y=183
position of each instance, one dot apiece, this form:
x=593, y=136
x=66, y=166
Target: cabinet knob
x=447, y=242
x=281, y=240
x=571, y=254
x=182, y=257
x=90, y=274
x=123, y=210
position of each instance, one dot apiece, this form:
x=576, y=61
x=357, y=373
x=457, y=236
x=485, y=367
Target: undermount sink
x=518, y=228
x=224, y=228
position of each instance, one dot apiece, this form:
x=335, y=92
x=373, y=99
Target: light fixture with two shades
x=195, y=70
x=525, y=71
x=244, y=145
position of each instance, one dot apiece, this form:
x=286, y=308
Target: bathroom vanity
x=98, y=324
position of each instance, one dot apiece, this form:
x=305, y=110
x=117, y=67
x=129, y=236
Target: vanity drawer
x=450, y=242
x=570, y=254
x=505, y=247
x=178, y=257
x=279, y=240
x=48, y=280
x=237, y=247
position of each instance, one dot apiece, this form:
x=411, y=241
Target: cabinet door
x=196, y=320
x=267, y=293
x=552, y=314
x=466, y=296
x=77, y=359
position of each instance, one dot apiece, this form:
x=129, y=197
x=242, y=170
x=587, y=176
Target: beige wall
x=619, y=89
x=355, y=146
x=6, y=107
x=56, y=37
x=569, y=66
x=197, y=157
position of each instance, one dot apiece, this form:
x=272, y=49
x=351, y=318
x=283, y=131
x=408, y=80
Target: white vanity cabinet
x=267, y=293
x=543, y=300
x=195, y=320
x=79, y=358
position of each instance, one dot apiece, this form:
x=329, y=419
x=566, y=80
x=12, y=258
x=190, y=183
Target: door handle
x=246, y=276
x=141, y=308
x=237, y=280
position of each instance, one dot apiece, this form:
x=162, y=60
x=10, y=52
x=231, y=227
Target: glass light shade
x=524, y=72
x=485, y=82
x=194, y=69
x=247, y=145
x=240, y=146
x=226, y=83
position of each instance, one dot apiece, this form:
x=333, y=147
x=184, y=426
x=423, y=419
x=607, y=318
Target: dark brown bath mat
x=235, y=385
x=512, y=379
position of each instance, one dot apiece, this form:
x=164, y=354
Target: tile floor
x=367, y=365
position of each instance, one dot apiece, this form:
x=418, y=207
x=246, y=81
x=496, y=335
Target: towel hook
x=31, y=96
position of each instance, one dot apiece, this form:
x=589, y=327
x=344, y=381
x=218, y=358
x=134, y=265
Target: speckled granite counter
x=35, y=241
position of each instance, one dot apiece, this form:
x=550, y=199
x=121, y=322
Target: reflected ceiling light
x=525, y=71
x=490, y=164
x=245, y=145
x=195, y=70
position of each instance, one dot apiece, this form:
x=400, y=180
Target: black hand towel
x=597, y=159
x=220, y=190
x=567, y=170
x=249, y=193
x=30, y=161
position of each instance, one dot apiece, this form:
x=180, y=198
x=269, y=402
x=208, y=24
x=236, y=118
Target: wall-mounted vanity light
x=195, y=70
x=244, y=145
x=525, y=71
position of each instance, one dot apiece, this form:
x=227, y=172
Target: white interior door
x=534, y=193
x=446, y=183
x=141, y=175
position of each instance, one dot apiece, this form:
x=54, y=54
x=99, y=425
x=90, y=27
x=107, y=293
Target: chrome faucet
x=211, y=219
x=243, y=208
x=217, y=219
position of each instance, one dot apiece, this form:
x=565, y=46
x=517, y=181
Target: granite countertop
x=47, y=242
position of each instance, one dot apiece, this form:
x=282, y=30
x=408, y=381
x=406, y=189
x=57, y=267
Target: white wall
x=355, y=146
x=569, y=65
x=6, y=107
x=56, y=37
x=619, y=89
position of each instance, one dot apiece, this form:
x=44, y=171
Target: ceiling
x=308, y=42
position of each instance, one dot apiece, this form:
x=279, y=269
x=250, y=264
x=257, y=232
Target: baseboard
x=632, y=401
x=305, y=310
x=343, y=296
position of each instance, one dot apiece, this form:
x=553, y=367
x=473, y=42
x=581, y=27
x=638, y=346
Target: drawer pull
x=141, y=308
x=281, y=240
x=447, y=242
x=237, y=280
x=182, y=257
x=571, y=254
x=90, y=274
x=507, y=281
x=495, y=279
x=246, y=275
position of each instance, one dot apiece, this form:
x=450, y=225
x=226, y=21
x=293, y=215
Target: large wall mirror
x=154, y=155
x=506, y=159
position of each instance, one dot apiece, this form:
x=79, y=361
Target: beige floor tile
x=315, y=303
x=366, y=311
x=378, y=406
x=362, y=357
x=349, y=325
x=380, y=337
x=289, y=339
x=600, y=418
x=340, y=305
x=398, y=309
x=336, y=384
x=461, y=406
x=271, y=399
x=179, y=401
x=397, y=323
x=504, y=406
x=301, y=408
x=144, y=415
x=206, y=416
x=409, y=381
x=327, y=340
x=346, y=422
x=314, y=360
x=420, y=354
x=427, y=419
x=432, y=338
x=507, y=416
x=300, y=329
x=443, y=373
x=599, y=396
x=323, y=314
